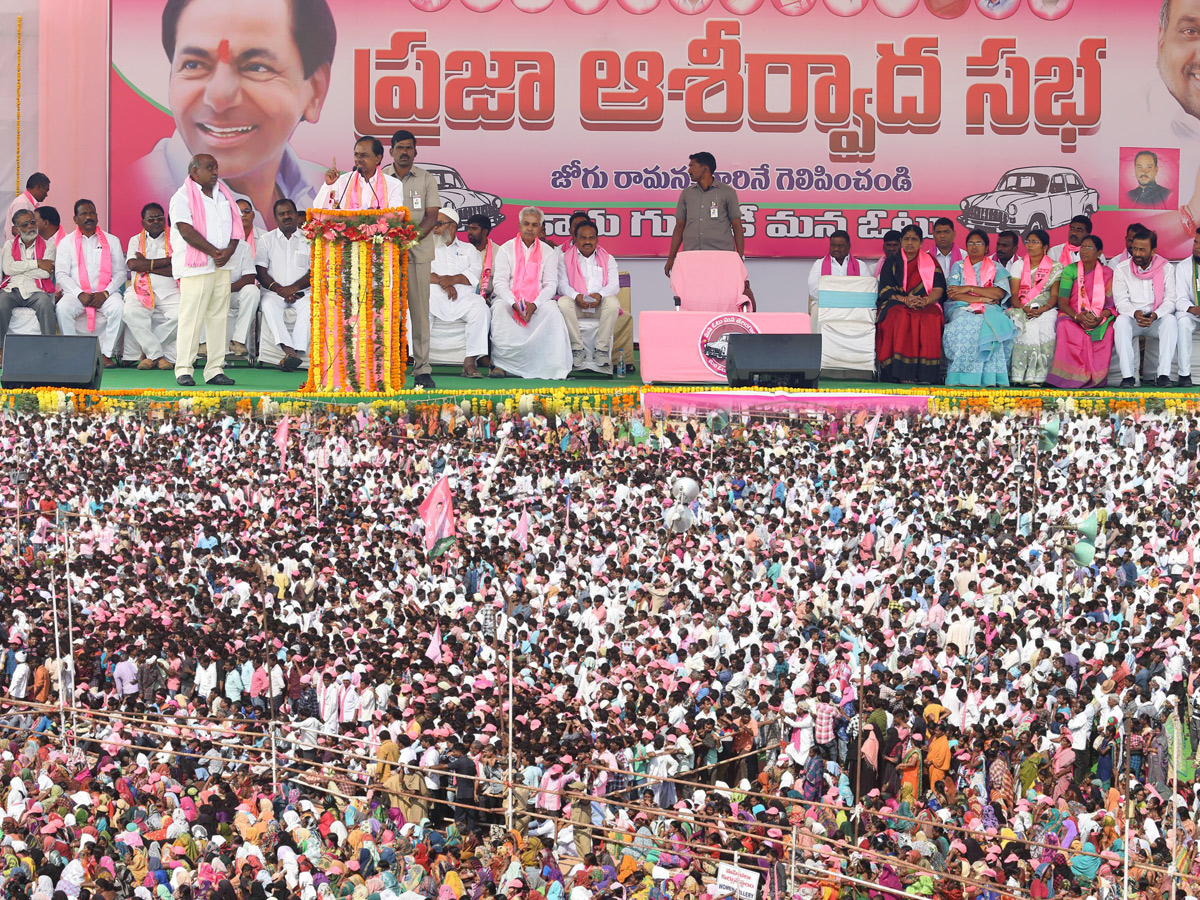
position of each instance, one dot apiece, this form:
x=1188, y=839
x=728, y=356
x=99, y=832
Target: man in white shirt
x=479, y=229
x=1145, y=297
x=944, y=250
x=588, y=282
x=838, y=262
x=37, y=189
x=529, y=336
x=454, y=275
x=28, y=265
x=1187, y=310
x=283, y=261
x=204, y=283
x=1080, y=227
x=152, y=297
x=83, y=258
x=366, y=186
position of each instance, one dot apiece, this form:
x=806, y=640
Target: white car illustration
x=453, y=191
x=1030, y=197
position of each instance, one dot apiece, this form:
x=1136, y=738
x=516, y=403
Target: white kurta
x=370, y=193
x=458, y=258
x=542, y=349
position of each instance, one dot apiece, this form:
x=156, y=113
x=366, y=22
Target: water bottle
x=621, y=363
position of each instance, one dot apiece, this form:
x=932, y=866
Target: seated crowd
x=1052, y=317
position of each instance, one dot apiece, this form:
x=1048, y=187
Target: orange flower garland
x=359, y=314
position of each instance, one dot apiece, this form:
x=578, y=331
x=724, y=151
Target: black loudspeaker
x=38, y=360
x=774, y=360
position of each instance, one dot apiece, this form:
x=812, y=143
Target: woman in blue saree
x=978, y=338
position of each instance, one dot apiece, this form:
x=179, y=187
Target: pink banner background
x=681, y=403
x=865, y=120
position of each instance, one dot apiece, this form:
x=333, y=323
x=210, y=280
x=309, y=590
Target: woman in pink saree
x=1086, y=314
x=1062, y=767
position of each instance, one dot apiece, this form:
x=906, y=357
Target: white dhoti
x=467, y=307
x=154, y=328
x=1186, y=324
x=297, y=336
x=541, y=349
x=69, y=309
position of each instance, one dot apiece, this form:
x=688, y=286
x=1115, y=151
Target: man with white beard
x=28, y=265
x=454, y=275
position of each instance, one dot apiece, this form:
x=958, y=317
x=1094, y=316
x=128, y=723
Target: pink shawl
x=1157, y=266
x=527, y=278
x=852, y=266
x=197, y=258
x=39, y=252
x=104, y=276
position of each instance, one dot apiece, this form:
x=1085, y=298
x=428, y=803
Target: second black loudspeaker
x=774, y=360
x=38, y=360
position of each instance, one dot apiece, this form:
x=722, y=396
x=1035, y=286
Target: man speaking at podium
x=363, y=187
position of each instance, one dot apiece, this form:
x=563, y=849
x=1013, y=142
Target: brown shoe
x=469, y=370
x=145, y=365
x=108, y=363
x=163, y=363
x=498, y=372
x=237, y=348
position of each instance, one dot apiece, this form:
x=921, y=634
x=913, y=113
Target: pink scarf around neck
x=852, y=266
x=575, y=272
x=987, y=273
x=39, y=252
x=1031, y=288
x=104, y=277
x=195, y=257
x=378, y=191
x=1156, y=271
x=1093, y=300
x=527, y=278
x=1070, y=254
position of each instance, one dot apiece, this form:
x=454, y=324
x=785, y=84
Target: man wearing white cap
x=454, y=274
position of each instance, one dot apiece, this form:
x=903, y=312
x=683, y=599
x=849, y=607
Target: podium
x=359, y=300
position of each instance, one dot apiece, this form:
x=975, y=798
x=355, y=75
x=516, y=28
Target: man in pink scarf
x=28, y=265
x=89, y=267
x=1144, y=294
x=529, y=336
x=206, y=227
x=588, y=282
x=37, y=189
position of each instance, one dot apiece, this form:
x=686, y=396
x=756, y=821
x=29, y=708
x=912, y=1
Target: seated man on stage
x=283, y=260
x=588, y=283
x=1144, y=293
x=479, y=230
x=529, y=336
x=90, y=268
x=152, y=298
x=28, y=266
x=452, y=297
x=837, y=262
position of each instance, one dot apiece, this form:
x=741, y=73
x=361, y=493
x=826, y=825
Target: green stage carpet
x=267, y=380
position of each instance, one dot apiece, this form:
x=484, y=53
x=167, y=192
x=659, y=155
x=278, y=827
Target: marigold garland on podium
x=359, y=299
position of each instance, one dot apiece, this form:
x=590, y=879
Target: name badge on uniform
x=712, y=212
x=416, y=202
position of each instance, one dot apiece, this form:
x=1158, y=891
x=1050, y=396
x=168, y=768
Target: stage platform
x=269, y=391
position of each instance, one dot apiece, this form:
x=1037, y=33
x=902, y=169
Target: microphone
x=346, y=188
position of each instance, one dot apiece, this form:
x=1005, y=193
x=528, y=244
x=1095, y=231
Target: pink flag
x=871, y=428
x=522, y=533
x=281, y=435
x=437, y=512
x=435, y=645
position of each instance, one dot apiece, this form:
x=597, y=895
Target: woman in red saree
x=1086, y=315
x=908, y=333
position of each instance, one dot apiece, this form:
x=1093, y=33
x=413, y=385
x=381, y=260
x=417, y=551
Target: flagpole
x=509, y=641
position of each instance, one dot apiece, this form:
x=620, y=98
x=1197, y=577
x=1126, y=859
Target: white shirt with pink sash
x=1144, y=290
x=829, y=266
x=73, y=278
x=946, y=261
x=219, y=229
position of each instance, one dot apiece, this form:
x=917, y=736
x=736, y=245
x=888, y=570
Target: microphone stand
x=345, y=189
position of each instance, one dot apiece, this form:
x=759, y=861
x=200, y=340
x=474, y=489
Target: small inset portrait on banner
x=1149, y=178
x=998, y=9
x=1051, y=9
x=948, y=9
x=897, y=8
x=845, y=7
x=794, y=7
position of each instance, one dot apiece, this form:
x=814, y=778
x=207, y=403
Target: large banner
x=823, y=114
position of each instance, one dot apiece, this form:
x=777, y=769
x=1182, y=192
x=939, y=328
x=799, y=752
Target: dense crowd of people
x=854, y=658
